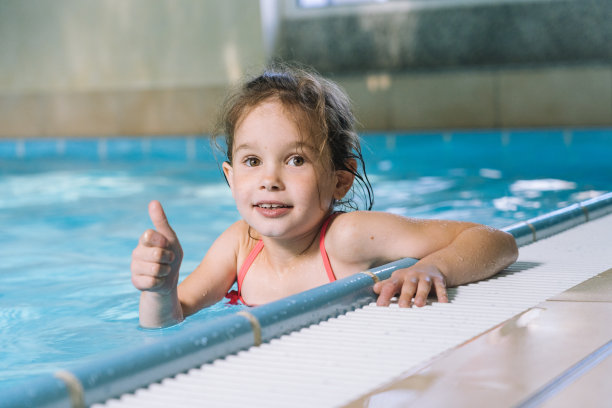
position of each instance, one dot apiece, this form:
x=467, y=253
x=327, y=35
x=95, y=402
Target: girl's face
x=280, y=187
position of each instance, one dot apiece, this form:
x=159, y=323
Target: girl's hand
x=157, y=258
x=416, y=281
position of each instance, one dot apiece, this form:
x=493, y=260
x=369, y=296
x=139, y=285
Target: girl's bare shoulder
x=356, y=224
x=228, y=245
x=359, y=225
x=376, y=237
x=241, y=238
x=355, y=235
x=237, y=229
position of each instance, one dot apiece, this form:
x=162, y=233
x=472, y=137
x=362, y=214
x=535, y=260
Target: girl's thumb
x=160, y=221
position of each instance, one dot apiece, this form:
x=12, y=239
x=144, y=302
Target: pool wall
x=193, y=346
x=198, y=147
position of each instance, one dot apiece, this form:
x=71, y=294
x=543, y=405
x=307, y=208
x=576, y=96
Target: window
x=311, y=4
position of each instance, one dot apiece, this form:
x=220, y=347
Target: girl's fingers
x=411, y=284
x=151, y=269
x=148, y=275
x=143, y=282
x=420, y=298
x=158, y=270
x=408, y=290
x=152, y=238
x=388, y=289
x=153, y=254
x=377, y=287
x=407, y=287
x=158, y=255
x=441, y=290
x=160, y=221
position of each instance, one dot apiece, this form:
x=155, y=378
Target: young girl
x=292, y=157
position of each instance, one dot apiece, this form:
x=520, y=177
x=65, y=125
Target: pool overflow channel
x=129, y=370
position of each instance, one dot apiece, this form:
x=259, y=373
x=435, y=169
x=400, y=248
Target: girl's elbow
x=509, y=245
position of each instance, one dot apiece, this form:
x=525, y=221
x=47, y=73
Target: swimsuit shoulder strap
x=247, y=264
x=328, y=268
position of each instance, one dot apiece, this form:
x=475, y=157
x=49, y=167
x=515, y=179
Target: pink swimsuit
x=234, y=296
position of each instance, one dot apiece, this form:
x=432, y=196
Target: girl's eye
x=252, y=161
x=296, y=161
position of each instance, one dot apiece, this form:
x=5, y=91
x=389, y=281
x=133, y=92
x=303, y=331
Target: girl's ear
x=228, y=171
x=344, y=179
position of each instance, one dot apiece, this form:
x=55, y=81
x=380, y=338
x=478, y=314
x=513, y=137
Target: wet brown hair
x=322, y=110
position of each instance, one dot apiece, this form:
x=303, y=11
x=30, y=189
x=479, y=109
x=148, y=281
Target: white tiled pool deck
x=436, y=355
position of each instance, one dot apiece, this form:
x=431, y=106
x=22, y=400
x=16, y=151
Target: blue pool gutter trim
x=203, y=343
x=549, y=224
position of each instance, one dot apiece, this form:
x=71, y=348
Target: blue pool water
x=71, y=213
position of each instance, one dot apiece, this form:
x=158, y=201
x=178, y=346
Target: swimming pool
x=72, y=211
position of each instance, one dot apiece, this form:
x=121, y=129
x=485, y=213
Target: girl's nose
x=271, y=180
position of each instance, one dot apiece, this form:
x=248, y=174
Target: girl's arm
x=215, y=275
x=450, y=253
x=155, y=271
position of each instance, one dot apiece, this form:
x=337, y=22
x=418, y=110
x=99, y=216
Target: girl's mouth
x=272, y=206
x=272, y=209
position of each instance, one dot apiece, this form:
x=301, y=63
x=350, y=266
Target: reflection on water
x=484, y=197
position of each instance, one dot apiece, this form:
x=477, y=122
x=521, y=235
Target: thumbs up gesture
x=157, y=258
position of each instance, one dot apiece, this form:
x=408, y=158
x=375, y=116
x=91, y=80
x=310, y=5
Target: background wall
x=130, y=67
x=463, y=63
x=107, y=67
